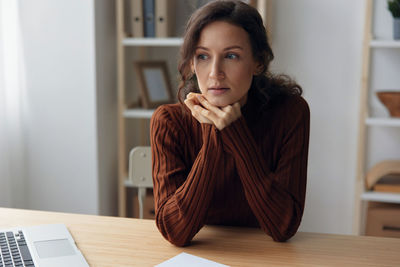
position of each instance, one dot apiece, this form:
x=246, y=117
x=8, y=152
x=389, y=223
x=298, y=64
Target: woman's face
x=224, y=64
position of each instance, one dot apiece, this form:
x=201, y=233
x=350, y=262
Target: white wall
x=319, y=44
x=65, y=107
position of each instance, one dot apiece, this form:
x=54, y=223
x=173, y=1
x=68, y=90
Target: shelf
x=385, y=44
x=138, y=113
x=381, y=197
x=152, y=41
x=391, y=122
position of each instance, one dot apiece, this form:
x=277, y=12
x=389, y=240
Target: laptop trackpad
x=54, y=248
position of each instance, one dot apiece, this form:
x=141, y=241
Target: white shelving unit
x=384, y=44
x=381, y=197
x=138, y=113
x=369, y=122
x=152, y=42
x=125, y=113
x=388, y=122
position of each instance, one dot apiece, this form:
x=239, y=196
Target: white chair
x=140, y=173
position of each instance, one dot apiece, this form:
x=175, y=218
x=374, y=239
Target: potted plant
x=394, y=8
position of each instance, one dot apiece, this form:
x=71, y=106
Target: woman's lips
x=217, y=90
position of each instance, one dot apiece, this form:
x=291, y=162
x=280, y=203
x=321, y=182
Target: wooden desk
x=112, y=241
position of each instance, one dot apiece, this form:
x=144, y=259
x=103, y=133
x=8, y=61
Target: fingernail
x=199, y=97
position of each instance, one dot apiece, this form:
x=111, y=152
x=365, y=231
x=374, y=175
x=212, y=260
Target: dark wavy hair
x=271, y=86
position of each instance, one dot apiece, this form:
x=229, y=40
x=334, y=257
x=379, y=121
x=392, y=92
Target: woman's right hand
x=205, y=112
x=193, y=103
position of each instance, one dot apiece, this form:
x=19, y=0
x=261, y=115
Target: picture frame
x=155, y=86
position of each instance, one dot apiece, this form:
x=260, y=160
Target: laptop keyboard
x=14, y=251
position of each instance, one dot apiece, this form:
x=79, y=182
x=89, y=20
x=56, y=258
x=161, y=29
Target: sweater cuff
x=209, y=133
x=234, y=136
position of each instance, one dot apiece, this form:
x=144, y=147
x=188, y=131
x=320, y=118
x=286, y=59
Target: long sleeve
x=275, y=194
x=182, y=190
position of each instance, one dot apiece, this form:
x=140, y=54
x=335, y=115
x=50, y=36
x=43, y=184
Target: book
x=164, y=18
x=136, y=18
x=149, y=21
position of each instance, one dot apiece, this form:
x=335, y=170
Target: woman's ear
x=258, y=68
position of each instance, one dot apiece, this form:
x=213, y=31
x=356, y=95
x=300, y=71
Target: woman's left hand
x=220, y=117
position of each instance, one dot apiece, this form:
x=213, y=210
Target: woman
x=234, y=150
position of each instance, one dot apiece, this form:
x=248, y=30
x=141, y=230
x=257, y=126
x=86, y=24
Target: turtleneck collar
x=251, y=111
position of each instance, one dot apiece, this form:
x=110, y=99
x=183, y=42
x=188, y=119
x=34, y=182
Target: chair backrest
x=140, y=171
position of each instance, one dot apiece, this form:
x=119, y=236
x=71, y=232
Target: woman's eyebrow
x=226, y=48
x=233, y=47
x=202, y=47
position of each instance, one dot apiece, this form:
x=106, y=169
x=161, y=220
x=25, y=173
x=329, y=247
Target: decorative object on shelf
x=381, y=169
x=391, y=100
x=394, y=8
x=154, y=83
x=388, y=184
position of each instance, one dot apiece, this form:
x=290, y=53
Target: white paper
x=184, y=260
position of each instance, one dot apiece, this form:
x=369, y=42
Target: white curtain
x=12, y=108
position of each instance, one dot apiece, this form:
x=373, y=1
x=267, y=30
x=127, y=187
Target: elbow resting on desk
x=288, y=227
x=173, y=235
x=180, y=238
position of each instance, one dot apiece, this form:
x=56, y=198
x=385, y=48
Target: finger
x=204, y=102
x=210, y=115
x=199, y=114
x=196, y=112
x=195, y=109
x=192, y=95
x=235, y=109
x=193, y=98
x=189, y=103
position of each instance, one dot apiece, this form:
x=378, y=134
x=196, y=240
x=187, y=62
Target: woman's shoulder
x=294, y=108
x=174, y=120
x=286, y=109
x=296, y=103
x=169, y=112
x=175, y=114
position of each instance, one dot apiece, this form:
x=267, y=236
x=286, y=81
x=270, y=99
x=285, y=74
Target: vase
x=396, y=28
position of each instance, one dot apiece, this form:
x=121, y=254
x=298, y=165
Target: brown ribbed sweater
x=252, y=173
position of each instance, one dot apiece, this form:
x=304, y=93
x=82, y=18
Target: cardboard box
x=148, y=207
x=383, y=220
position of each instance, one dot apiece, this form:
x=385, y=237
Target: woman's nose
x=216, y=71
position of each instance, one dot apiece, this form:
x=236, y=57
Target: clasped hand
x=205, y=112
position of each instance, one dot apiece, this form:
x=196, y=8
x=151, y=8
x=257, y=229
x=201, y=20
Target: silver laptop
x=47, y=245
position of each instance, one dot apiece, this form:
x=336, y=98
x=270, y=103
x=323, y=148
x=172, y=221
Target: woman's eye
x=201, y=57
x=232, y=56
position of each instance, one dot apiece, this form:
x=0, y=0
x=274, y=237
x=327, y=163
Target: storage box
x=148, y=206
x=383, y=220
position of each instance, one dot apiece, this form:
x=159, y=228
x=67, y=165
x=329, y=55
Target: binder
x=136, y=18
x=165, y=19
x=149, y=21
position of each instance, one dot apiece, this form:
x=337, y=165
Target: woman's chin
x=219, y=102
x=223, y=101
